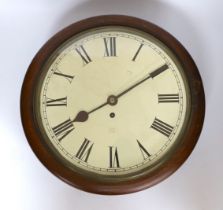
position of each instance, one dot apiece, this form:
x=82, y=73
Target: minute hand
x=151, y=75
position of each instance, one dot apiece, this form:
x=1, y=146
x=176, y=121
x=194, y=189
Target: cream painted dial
x=112, y=101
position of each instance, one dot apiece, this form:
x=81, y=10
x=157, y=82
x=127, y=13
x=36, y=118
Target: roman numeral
x=63, y=129
x=162, y=127
x=84, y=150
x=159, y=71
x=66, y=76
x=137, y=52
x=113, y=157
x=168, y=98
x=144, y=152
x=56, y=102
x=83, y=54
x=110, y=46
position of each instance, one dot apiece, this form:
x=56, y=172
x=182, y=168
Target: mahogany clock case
x=76, y=178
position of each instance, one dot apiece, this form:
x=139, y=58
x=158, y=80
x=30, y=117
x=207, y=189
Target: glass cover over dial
x=112, y=101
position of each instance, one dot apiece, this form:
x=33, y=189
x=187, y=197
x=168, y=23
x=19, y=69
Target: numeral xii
x=110, y=46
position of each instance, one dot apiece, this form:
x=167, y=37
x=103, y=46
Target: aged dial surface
x=112, y=101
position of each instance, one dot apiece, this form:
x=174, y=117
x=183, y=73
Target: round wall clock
x=112, y=104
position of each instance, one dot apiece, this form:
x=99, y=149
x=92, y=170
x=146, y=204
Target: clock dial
x=112, y=101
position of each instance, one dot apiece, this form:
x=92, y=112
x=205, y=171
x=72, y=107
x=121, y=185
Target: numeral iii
x=168, y=98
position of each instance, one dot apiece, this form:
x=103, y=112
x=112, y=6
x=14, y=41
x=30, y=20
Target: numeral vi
x=113, y=157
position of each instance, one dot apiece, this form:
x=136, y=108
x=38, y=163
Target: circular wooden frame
x=75, y=179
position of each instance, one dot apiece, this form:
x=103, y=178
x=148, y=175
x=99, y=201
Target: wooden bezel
x=182, y=151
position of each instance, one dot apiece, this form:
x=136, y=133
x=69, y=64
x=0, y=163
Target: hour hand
x=81, y=116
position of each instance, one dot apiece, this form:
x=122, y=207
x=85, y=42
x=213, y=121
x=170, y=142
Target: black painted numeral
x=144, y=152
x=56, y=102
x=63, y=129
x=66, y=76
x=113, y=157
x=84, y=150
x=137, y=52
x=110, y=46
x=162, y=127
x=168, y=98
x=83, y=54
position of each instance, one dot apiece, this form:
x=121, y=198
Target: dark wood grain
x=103, y=186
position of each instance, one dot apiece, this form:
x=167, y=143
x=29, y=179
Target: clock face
x=112, y=101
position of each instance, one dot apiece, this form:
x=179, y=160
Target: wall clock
x=112, y=104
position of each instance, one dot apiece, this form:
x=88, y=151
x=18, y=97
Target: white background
x=26, y=184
